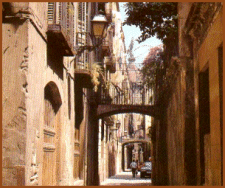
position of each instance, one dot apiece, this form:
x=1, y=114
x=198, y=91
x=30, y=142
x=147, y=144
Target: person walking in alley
x=133, y=166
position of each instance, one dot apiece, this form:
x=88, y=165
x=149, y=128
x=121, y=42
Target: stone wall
x=25, y=76
x=203, y=27
x=186, y=150
x=208, y=55
x=14, y=87
x=175, y=135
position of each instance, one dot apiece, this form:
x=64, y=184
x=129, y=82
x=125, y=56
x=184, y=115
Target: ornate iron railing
x=126, y=93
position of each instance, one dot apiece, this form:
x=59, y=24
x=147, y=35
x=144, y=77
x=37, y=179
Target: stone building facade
x=37, y=126
x=206, y=35
x=48, y=122
x=188, y=139
x=109, y=147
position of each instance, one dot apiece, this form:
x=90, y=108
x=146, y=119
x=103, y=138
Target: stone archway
x=104, y=110
x=127, y=147
x=51, y=130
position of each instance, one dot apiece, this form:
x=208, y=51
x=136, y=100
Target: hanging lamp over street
x=99, y=24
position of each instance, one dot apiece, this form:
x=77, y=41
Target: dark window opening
x=220, y=61
x=102, y=129
x=204, y=118
x=55, y=60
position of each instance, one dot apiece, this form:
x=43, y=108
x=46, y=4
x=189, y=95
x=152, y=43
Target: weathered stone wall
x=175, y=134
x=40, y=75
x=160, y=162
x=208, y=54
x=35, y=89
x=174, y=147
x=177, y=154
x=23, y=64
x=67, y=125
x=184, y=41
x=200, y=34
x=14, y=87
x=186, y=55
x=25, y=76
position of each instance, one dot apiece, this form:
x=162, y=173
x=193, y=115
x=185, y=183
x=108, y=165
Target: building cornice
x=200, y=18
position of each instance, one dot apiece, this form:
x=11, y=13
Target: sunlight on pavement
x=126, y=179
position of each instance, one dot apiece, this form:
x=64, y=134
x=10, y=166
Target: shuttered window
x=82, y=36
x=62, y=13
x=51, y=13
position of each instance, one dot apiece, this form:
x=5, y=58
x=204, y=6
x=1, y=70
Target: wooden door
x=51, y=160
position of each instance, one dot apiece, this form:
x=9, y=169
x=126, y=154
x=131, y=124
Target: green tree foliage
x=154, y=19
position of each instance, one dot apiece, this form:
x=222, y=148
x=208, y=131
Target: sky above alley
x=140, y=50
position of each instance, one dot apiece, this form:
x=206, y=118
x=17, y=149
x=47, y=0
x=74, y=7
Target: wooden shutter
x=82, y=37
x=51, y=9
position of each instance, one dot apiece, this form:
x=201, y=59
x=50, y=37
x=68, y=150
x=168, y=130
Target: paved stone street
x=126, y=179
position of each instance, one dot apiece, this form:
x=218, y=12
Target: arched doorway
x=51, y=130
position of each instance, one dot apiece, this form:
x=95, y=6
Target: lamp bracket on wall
x=98, y=26
x=87, y=41
x=83, y=42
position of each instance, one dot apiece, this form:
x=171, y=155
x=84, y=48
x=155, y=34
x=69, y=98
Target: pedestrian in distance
x=133, y=166
x=137, y=166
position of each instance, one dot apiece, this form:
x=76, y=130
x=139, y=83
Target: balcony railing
x=61, y=26
x=127, y=93
x=83, y=45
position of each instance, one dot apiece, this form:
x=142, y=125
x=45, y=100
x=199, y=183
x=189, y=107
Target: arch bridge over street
x=126, y=97
x=133, y=140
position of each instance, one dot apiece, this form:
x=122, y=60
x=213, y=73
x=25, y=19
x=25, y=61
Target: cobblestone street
x=126, y=179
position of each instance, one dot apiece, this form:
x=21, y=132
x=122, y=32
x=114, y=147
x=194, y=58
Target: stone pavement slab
x=126, y=179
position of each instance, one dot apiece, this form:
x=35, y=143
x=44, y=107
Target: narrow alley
x=93, y=92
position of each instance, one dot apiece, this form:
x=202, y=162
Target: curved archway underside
x=111, y=109
x=134, y=141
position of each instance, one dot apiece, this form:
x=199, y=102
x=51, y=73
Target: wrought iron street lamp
x=98, y=25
